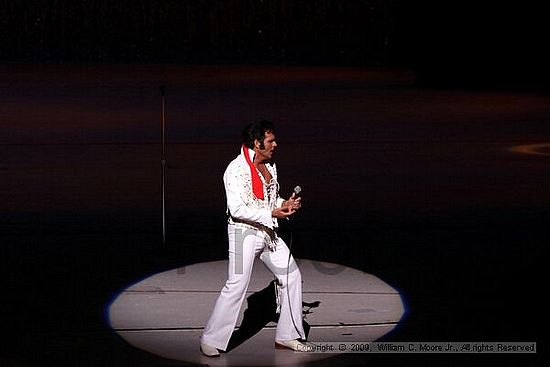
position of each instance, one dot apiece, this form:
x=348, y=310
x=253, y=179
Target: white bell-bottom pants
x=244, y=246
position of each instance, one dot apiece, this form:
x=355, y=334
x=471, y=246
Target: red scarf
x=257, y=185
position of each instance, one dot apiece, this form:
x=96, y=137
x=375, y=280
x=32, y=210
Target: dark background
x=401, y=114
x=459, y=43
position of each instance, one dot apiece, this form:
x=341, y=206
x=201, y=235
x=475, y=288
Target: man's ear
x=257, y=143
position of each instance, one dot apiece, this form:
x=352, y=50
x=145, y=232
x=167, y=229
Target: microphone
x=296, y=192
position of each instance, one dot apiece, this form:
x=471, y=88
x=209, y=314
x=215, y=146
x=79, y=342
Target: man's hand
x=282, y=212
x=288, y=207
x=294, y=202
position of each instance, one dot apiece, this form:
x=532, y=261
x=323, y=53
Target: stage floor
x=166, y=313
x=443, y=195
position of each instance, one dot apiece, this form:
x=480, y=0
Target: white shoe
x=209, y=351
x=295, y=345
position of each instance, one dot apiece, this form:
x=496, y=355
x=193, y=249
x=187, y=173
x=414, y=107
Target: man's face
x=269, y=144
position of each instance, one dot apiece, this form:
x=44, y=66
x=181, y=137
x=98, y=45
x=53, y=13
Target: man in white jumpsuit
x=254, y=205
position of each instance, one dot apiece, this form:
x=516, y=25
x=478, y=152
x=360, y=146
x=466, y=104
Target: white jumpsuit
x=251, y=231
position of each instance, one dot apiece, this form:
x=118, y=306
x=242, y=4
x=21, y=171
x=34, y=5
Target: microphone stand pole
x=163, y=162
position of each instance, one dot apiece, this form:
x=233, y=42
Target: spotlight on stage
x=165, y=313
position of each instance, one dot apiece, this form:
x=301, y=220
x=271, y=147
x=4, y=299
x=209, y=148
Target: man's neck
x=258, y=159
x=259, y=162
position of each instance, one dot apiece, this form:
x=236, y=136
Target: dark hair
x=256, y=131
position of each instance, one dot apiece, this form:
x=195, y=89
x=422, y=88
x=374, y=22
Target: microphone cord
x=287, y=287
